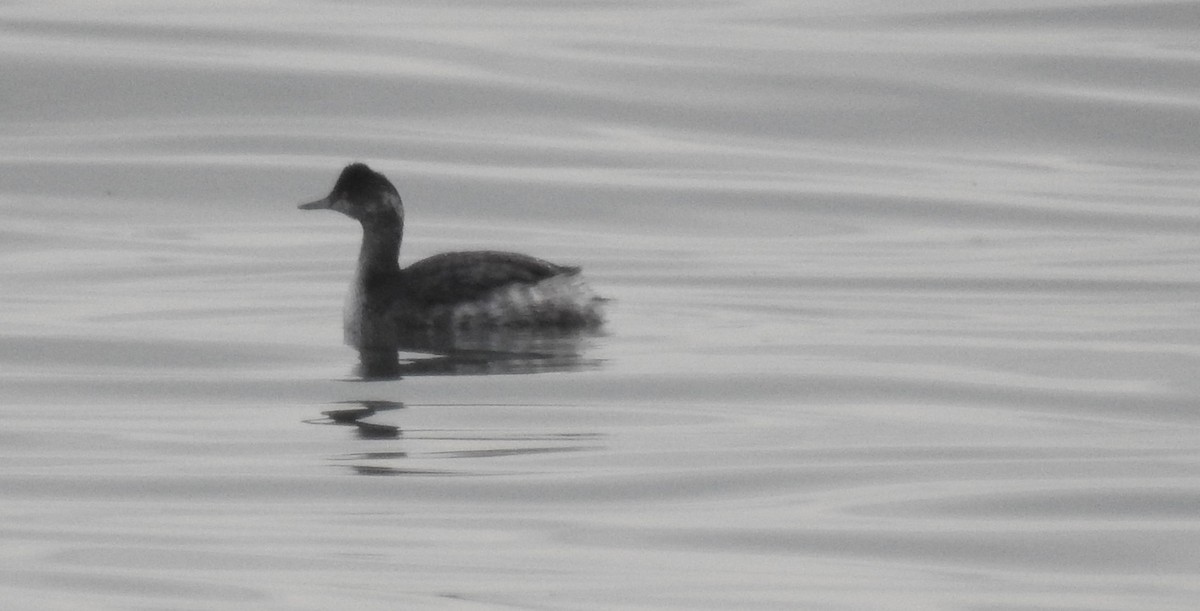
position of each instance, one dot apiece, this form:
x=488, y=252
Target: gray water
x=904, y=306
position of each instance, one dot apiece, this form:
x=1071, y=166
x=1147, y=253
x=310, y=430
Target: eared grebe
x=446, y=292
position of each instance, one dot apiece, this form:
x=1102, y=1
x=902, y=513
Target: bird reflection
x=356, y=417
x=459, y=352
x=450, y=443
x=476, y=352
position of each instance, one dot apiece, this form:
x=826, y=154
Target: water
x=904, y=306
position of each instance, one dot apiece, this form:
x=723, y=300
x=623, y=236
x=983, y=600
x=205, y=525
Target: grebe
x=446, y=292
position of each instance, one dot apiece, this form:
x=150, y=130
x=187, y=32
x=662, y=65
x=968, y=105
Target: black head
x=358, y=182
x=360, y=192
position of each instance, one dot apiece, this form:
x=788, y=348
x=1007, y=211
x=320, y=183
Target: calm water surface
x=905, y=306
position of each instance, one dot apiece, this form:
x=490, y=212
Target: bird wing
x=462, y=276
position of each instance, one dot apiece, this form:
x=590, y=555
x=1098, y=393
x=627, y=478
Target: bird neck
x=380, y=252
